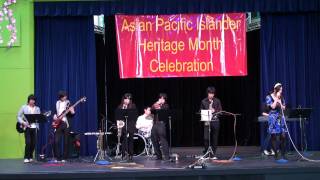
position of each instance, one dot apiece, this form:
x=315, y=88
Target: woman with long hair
x=127, y=134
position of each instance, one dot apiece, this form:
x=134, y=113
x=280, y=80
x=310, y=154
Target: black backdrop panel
x=237, y=94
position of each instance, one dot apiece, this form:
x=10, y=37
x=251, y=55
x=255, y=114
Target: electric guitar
x=21, y=128
x=57, y=121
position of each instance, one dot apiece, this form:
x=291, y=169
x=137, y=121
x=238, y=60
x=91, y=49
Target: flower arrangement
x=6, y=14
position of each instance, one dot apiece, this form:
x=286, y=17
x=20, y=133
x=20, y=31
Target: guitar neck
x=68, y=110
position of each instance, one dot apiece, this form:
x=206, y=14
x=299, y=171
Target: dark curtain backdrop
x=65, y=60
x=290, y=54
x=171, y=7
x=238, y=94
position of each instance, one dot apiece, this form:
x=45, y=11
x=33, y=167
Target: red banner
x=183, y=45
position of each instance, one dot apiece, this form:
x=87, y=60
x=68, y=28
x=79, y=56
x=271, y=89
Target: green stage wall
x=16, y=77
x=16, y=80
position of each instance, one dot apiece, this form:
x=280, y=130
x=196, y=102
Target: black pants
x=214, y=136
x=61, y=131
x=282, y=137
x=158, y=133
x=30, y=142
x=127, y=142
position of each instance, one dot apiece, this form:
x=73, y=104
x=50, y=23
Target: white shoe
x=31, y=160
x=214, y=158
x=265, y=152
x=26, y=160
x=63, y=161
x=272, y=153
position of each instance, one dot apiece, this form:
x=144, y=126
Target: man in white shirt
x=30, y=129
x=145, y=122
x=63, y=129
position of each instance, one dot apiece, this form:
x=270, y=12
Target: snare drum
x=145, y=134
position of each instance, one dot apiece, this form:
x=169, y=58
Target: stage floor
x=252, y=166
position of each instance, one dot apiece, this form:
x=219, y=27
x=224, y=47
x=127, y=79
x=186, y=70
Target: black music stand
x=303, y=114
x=207, y=117
x=36, y=118
x=130, y=116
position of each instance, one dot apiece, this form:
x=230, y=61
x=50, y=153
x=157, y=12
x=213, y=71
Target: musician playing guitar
x=29, y=129
x=63, y=127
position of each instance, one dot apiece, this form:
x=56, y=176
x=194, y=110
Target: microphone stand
x=170, y=146
x=102, y=157
x=200, y=163
x=209, y=153
x=126, y=158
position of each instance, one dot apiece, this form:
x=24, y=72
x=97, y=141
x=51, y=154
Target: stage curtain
x=171, y=7
x=65, y=60
x=290, y=54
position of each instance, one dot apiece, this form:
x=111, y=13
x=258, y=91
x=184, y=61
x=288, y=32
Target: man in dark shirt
x=211, y=103
x=158, y=132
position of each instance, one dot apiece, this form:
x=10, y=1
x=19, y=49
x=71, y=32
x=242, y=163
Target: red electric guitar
x=56, y=122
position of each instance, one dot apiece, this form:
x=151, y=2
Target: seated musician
x=145, y=122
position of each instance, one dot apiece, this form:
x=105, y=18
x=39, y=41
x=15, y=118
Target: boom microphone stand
x=200, y=163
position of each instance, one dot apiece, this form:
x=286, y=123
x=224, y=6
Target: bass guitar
x=57, y=121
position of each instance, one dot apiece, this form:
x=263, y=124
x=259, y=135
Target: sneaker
x=63, y=161
x=265, y=152
x=26, y=161
x=272, y=153
x=166, y=159
x=214, y=158
x=31, y=160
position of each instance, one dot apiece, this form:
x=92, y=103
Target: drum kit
x=142, y=144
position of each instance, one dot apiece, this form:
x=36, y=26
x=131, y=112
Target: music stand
x=36, y=118
x=130, y=116
x=303, y=114
x=206, y=117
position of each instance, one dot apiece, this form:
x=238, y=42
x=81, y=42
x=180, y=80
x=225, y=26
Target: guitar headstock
x=47, y=114
x=83, y=99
